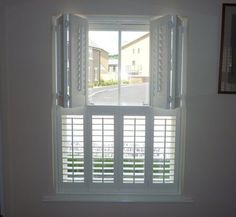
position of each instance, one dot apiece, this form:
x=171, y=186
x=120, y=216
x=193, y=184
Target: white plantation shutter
x=165, y=63
x=61, y=62
x=78, y=51
x=72, y=46
x=72, y=142
x=177, y=66
x=118, y=150
x=103, y=148
x=134, y=149
x=164, y=146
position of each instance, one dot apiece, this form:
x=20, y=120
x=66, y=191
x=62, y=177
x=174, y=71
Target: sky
x=108, y=40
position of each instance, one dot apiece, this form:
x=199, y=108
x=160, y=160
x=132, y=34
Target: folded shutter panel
x=165, y=64
x=61, y=62
x=78, y=43
x=71, y=49
x=177, y=65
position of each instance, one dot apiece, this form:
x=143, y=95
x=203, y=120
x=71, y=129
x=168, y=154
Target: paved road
x=132, y=94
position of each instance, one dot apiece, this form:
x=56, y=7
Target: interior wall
x=210, y=174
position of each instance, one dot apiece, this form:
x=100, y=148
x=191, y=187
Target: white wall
x=210, y=175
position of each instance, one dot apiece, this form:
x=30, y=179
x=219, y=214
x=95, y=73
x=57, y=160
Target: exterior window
x=117, y=79
x=118, y=111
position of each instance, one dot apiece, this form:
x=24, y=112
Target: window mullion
x=119, y=68
x=118, y=151
x=149, y=148
x=88, y=147
x=134, y=159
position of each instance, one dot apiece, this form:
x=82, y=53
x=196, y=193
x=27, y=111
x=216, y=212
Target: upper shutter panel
x=164, y=62
x=78, y=44
x=61, y=56
x=71, y=60
x=177, y=62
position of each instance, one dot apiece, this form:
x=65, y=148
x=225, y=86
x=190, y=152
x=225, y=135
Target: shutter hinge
x=67, y=20
x=67, y=23
x=171, y=99
x=171, y=24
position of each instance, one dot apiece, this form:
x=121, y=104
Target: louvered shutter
x=61, y=62
x=165, y=63
x=72, y=46
x=103, y=149
x=177, y=65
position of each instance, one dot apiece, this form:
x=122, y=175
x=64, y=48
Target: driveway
x=131, y=94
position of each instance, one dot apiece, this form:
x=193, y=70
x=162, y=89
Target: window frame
x=119, y=24
x=68, y=193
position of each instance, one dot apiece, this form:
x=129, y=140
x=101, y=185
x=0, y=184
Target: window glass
x=134, y=68
x=117, y=74
x=103, y=68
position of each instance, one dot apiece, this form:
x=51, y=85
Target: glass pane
x=103, y=68
x=134, y=68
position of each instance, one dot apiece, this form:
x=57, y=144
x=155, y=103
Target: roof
x=135, y=41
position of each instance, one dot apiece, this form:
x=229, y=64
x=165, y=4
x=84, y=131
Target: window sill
x=61, y=197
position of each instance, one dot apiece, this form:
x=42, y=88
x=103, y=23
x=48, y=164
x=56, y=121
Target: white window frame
x=74, y=191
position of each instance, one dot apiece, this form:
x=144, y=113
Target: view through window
x=118, y=68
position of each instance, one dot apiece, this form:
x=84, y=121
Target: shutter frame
x=61, y=57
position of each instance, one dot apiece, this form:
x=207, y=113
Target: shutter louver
x=164, y=149
x=72, y=46
x=134, y=149
x=103, y=148
x=165, y=63
x=72, y=132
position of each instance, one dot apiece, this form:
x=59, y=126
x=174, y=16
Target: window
x=118, y=113
x=129, y=84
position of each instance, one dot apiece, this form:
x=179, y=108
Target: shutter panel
x=71, y=42
x=134, y=149
x=165, y=63
x=61, y=62
x=103, y=149
x=78, y=43
x=177, y=65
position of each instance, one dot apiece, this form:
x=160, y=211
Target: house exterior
x=98, y=65
x=113, y=67
x=135, y=60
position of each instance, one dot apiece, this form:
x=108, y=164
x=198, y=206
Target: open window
x=118, y=107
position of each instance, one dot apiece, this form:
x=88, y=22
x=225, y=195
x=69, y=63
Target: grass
x=99, y=163
x=103, y=83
